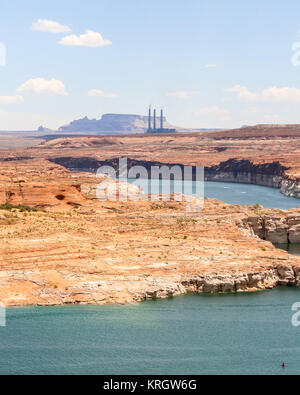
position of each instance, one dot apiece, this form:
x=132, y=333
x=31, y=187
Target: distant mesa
x=42, y=129
x=122, y=123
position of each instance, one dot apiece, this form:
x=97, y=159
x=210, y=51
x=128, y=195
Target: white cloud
x=11, y=99
x=281, y=94
x=243, y=93
x=214, y=111
x=41, y=86
x=211, y=66
x=182, y=94
x=89, y=39
x=100, y=93
x=273, y=94
x=45, y=25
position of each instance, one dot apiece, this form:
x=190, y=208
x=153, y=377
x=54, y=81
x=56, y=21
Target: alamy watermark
x=2, y=55
x=2, y=315
x=165, y=183
x=296, y=316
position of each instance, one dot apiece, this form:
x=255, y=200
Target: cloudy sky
x=210, y=63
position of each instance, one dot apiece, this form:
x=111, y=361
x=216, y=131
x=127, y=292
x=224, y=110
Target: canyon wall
x=277, y=229
x=234, y=170
x=243, y=171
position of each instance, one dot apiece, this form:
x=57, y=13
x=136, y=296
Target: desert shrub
x=21, y=207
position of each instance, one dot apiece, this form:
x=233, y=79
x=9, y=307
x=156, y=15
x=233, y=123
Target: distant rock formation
x=42, y=129
x=124, y=123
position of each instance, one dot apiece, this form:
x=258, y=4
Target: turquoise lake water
x=293, y=249
x=193, y=334
x=232, y=193
x=248, y=194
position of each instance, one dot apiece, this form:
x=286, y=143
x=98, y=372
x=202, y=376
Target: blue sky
x=210, y=63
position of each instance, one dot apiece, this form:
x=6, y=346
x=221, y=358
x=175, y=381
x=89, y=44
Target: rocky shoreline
x=287, y=186
x=158, y=288
x=140, y=289
x=230, y=283
x=243, y=171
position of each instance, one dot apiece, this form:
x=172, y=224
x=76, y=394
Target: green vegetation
x=185, y=221
x=22, y=208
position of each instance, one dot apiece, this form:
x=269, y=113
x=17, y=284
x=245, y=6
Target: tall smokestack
x=154, y=120
x=162, y=119
x=149, y=119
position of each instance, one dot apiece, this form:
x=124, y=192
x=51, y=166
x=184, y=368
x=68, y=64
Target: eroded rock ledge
x=136, y=289
x=282, y=275
x=243, y=171
x=277, y=228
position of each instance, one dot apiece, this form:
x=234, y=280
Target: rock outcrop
x=280, y=228
x=244, y=171
x=43, y=184
x=290, y=187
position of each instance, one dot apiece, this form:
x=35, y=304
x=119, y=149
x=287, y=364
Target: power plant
x=154, y=129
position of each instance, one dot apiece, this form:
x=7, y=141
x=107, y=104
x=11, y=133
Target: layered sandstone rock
x=290, y=187
x=102, y=252
x=293, y=222
x=277, y=228
x=44, y=184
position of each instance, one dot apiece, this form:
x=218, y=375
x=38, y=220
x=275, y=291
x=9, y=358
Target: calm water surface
x=195, y=334
x=293, y=249
x=244, y=194
x=232, y=193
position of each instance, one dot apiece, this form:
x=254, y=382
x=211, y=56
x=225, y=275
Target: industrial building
x=152, y=128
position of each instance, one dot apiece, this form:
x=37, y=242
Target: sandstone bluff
x=71, y=248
